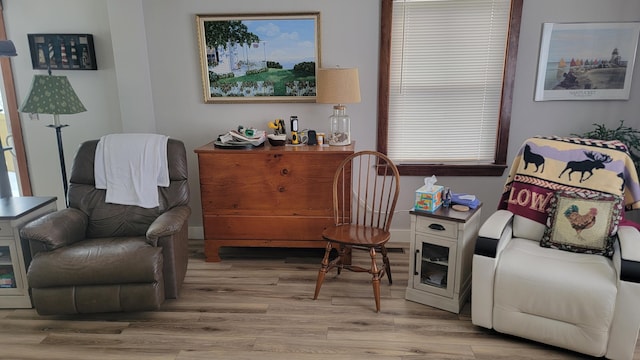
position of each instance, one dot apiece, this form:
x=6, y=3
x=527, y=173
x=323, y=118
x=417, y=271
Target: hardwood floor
x=257, y=304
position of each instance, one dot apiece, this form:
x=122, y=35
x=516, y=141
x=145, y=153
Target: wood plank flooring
x=257, y=304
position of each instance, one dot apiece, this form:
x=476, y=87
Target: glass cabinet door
x=434, y=265
x=10, y=278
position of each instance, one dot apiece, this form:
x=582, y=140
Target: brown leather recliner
x=101, y=257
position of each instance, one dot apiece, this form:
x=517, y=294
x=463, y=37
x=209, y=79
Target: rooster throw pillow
x=582, y=222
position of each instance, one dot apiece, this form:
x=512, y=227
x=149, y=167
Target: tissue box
x=429, y=200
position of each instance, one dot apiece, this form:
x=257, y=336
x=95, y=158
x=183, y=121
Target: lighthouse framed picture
x=62, y=51
x=258, y=58
x=586, y=61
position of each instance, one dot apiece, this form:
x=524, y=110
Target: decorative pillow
x=582, y=222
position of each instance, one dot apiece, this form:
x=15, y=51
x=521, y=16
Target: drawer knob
x=284, y=172
x=281, y=189
x=436, y=227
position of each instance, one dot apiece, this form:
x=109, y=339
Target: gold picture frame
x=259, y=58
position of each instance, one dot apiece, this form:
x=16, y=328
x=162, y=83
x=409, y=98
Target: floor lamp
x=7, y=49
x=50, y=94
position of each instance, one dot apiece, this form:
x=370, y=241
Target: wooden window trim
x=384, y=70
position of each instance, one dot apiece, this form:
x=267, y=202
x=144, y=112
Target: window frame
x=384, y=71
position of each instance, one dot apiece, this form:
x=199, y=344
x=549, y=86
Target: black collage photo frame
x=62, y=51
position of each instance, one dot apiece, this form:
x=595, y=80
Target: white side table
x=15, y=212
x=442, y=245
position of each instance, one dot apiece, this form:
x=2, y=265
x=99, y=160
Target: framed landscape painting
x=586, y=61
x=259, y=57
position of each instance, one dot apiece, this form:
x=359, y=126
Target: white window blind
x=447, y=60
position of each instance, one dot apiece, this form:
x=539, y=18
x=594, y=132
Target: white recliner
x=581, y=302
x=578, y=301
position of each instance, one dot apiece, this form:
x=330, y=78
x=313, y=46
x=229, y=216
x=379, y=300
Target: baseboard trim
x=196, y=232
x=399, y=237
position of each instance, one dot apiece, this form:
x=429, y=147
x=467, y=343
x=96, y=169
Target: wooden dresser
x=277, y=196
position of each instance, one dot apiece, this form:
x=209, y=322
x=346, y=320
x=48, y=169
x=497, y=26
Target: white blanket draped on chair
x=131, y=167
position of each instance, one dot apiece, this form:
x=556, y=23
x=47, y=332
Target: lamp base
x=340, y=133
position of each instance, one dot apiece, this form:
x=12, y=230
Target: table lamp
x=7, y=49
x=50, y=94
x=338, y=86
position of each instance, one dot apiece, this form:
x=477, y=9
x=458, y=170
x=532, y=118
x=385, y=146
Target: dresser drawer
x=5, y=229
x=291, y=200
x=439, y=227
x=277, y=183
x=312, y=166
x=295, y=228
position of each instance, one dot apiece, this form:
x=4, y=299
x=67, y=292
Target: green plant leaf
x=626, y=135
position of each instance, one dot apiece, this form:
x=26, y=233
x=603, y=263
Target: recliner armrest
x=168, y=223
x=629, y=239
x=57, y=229
x=491, y=232
x=495, y=224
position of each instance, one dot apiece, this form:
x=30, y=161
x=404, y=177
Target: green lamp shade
x=52, y=94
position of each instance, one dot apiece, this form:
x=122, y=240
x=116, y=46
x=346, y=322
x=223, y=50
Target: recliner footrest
x=104, y=261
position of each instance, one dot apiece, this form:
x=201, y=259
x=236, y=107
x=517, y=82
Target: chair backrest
x=365, y=190
x=544, y=166
x=527, y=228
x=107, y=219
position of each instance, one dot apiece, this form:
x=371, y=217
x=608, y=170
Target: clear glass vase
x=340, y=132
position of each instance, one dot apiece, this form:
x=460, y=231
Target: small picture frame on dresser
x=62, y=52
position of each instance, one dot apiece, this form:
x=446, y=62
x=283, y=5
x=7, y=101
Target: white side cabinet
x=15, y=212
x=442, y=245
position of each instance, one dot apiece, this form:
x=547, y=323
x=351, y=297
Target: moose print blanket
x=546, y=164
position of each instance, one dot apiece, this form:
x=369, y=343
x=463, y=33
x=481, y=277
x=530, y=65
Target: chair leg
x=344, y=257
x=341, y=255
x=323, y=270
x=376, y=278
x=387, y=266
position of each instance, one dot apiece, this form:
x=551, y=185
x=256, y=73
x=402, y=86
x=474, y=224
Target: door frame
x=11, y=108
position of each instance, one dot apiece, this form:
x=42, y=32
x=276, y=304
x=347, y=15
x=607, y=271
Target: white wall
x=156, y=86
x=96, y=89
